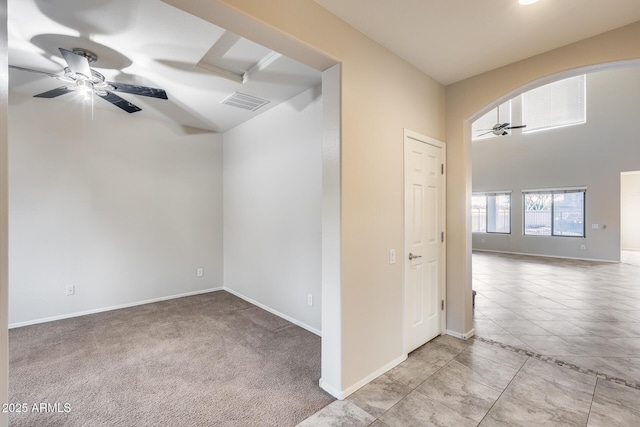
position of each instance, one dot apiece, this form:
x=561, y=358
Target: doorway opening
x=629, y=224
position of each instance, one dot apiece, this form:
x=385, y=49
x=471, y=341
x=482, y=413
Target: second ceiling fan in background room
x=499, y=129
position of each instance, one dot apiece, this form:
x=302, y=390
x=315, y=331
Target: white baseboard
x=544, y=255
x=277, y=313
x=465, y=336
x=149, y=301
x=114, y=307
x=332, y=391
x=343, y=394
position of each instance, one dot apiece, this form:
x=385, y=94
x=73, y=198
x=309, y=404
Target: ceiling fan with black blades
x=81, y=77
x=500, y=129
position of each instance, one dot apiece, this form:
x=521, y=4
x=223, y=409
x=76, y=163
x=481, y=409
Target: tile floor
x=558, y=344
x=580, y=312
x=451, y=382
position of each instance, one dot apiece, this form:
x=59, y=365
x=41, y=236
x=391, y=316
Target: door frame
x=409, y=134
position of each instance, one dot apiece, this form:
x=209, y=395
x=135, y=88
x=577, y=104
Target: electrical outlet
x=310, y=299
x=200, y=272
x=583, y=247
x=70, y=290
x=392, y=256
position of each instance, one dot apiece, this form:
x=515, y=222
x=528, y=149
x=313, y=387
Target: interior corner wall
x=273, y=208
x=121, y=207
x=590, y=155
x=380, y=96
x=629, y=209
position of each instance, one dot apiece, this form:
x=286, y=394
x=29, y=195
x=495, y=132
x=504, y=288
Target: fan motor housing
x=91, y=57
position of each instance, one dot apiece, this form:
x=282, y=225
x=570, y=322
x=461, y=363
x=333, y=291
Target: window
x=491, y=213
x=554, y=212
x=561, y=103
x=479, y=213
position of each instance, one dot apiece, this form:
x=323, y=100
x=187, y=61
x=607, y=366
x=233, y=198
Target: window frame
x=486, y=195
x=552, y=193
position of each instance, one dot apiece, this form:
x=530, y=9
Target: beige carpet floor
x=206, y=360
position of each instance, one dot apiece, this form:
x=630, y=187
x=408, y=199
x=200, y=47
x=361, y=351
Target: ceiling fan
x=500, y=129
x=81, y=77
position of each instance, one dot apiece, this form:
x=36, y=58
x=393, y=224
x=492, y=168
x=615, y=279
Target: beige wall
x=4, y=261
x=464, y=99
x=381, y=94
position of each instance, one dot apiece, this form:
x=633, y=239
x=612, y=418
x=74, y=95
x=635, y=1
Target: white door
x=424, y=239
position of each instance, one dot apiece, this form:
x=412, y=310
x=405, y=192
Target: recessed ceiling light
x=526, y=2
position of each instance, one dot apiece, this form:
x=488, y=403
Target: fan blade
x=15, y=67
x=53, y=93
x=120, y=102
x=505, y=133
x=44, y=73
x=77, y=63
x=486, y=133
x=516, y=127
x=502, y=126
x=139, y=90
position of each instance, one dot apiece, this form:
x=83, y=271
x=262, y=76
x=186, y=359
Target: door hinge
x=441, y=168
x=442, y=237
x=442, y=305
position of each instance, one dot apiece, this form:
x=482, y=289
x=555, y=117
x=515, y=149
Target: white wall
x=591, y=155
x=273, y=208
x=630, y=211
x=122, y=207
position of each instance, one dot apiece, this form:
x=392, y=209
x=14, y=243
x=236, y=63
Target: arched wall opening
x=590, y=154
x=467, y=100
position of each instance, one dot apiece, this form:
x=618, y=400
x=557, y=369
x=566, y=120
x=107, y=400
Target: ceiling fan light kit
x=81, y=77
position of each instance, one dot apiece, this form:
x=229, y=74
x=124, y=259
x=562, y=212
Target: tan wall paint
x=464, y=99
x=4, y=254
x=381, y=94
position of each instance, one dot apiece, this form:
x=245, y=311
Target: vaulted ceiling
x=149, y=43
x=451, y=40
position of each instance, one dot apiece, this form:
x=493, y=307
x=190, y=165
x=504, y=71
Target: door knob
x=412, y=256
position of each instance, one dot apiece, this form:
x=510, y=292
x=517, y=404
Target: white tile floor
x=451, y=382
x=581, y=312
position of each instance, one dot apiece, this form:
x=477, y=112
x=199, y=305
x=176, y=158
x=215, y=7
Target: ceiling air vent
x=246, y=102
